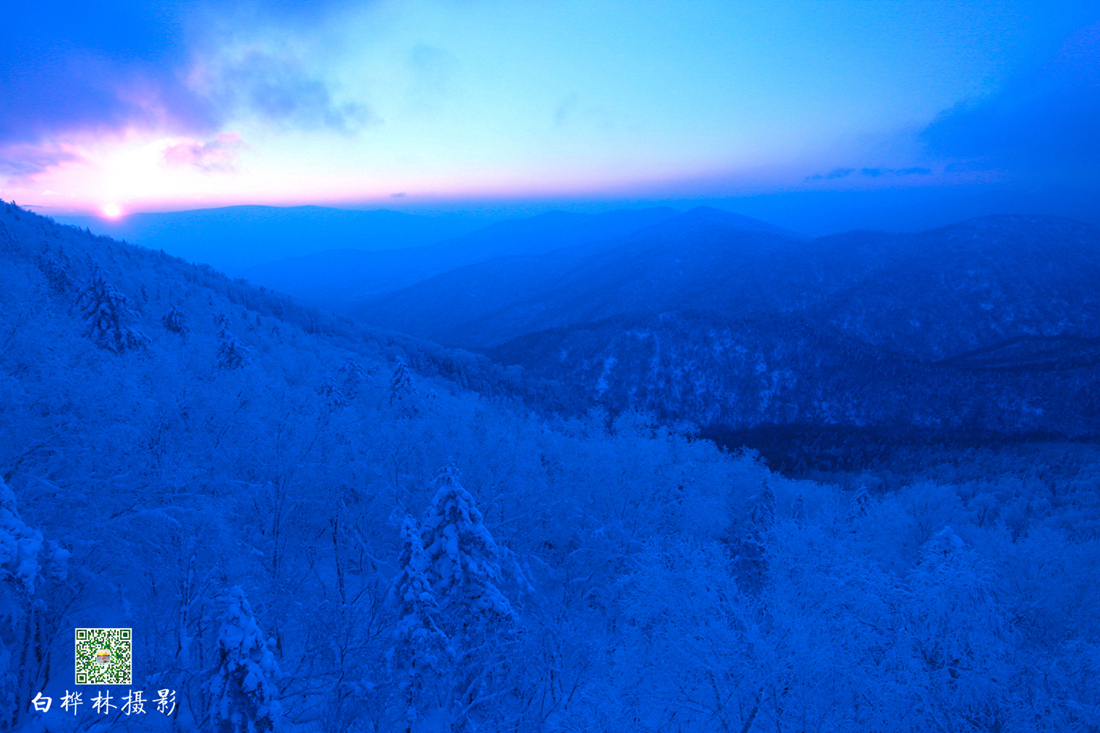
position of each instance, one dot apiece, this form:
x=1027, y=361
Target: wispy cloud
x=869, y=173
x=20, y=162
x=277, y=89
x=217, y=155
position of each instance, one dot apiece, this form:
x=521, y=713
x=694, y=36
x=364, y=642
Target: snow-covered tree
x=462, y=568
x=56, y=269
x=106, y=313
x=176, y=319
x=244, y=695
x=959, y=637
x=798, y=509
x=331, y=393
x=353, y=376
x=750, y=548
x=692, y=652
x=26, y=561
x=232, y=354
x=860, y=504
x=421, y=657
x=401, y=386
x=463, y=559
x=20, y=546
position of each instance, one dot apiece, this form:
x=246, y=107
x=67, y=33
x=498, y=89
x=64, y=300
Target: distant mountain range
x=990, y=324
x=236, y=238
x=928, y=295
x=676, y=262
x=344, y=279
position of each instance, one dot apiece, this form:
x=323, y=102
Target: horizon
x=445, y=107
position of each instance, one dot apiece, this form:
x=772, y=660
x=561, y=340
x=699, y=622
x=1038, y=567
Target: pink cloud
x=21, y=162
x=217, y=155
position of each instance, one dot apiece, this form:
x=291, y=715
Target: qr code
x=104, y=657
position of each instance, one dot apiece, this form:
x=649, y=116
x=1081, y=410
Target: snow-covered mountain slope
x=738, y=374
x=310, y=526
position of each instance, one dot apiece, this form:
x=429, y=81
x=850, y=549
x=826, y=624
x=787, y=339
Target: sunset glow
x=363, y=103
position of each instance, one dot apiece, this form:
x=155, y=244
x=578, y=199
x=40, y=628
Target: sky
x=119, y=107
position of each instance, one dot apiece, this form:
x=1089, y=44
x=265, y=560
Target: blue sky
x=152, y=106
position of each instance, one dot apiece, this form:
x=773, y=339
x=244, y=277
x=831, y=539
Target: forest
x=311, y=524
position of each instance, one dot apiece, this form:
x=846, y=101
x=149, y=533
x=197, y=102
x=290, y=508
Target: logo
x=104, y=657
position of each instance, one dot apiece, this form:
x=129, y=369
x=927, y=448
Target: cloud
x=75, y=68
x=20, y=162
x=877, y=172
x=1043, y=119
x=217, y=155
x=869, y=173
x=279, y=89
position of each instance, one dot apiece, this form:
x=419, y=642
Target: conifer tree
x=421, y=658
x=331, y=393
x=401, y=386
x=861, y=503
x=354, y=376
x=245, y=698
x=106, y=312
x=463, y=558
x=56, y=269
x=798, y=509
x=176, y=319
x=232, y=354
x=750, y=561
x=960, y=635
x=462, y=567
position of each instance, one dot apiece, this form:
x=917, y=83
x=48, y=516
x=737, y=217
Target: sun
x=111, y=211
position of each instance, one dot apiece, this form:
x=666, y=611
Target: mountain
x=691, y=259
x=989, y=324
x=928, y=295
x=236, y=238
x=344, y=279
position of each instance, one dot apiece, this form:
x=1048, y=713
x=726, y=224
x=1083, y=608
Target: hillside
x=778, y=370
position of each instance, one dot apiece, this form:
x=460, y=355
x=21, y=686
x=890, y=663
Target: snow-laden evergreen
x=401, y=385
x=20, y=546
x=455, y=622
x=176, y=319
x=232, y=354
x=422, y=657
x=107, y=314
x=245, y=698
x=464, y=563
